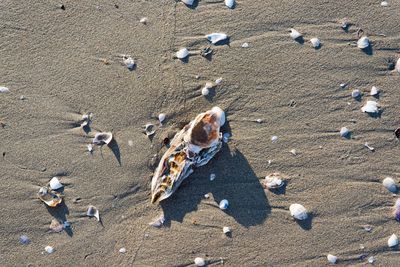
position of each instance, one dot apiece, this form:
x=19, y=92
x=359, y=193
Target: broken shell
x=90, y=148
x=149, y=129
x=343, y=85
x=315, y=42
x=128, y=62
x=4, y=89
x=396, y=210
x=230, y=3
x=397, y=67
x=199, y=262
x=397, y=133
x=24, y=240
x=93, y=212
x=293, y=151
x=49, y=249
x=223, y=205
x=158, y=222
x=188, y=2
x=363, y=42
x=102, y=138
x=274, y=139
x=298, y=212
x=344, y=132
x=122, y=250
x=384, y=3
x=212, y=176
x=369, y=147
x=220, y=115
x=55, y=183
x=393, y=241
x=218, y=81
x=390, y=184
x=370, y=107
x=49, y=197
x=226, y=230
x=56, y=226
x=215, y=38
x=331, y=258
x=371, y=259
x=273, y=181
x=161, y=117
x=356, y=93
x=374, y=91
x=143, y=20
x=295, y=34
x=245, y=45
x=205, y=91
x=182, y=53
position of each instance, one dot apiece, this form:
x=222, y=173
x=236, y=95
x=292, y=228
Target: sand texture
x=66, y=63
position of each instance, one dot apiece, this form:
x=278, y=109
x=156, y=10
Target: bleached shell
x=396, y=210
x=218, y=81
x=393, y=241
x=374, y=91
x=129, y=62
x=216, y=37
x=205, y=91
x=220, y=115
x=370, y=107
x=230, y=3
x=102, y=138
x=161, y=117
x=315, y=42
x=344, y=132
x=384, y=3
x=273, y=181
x=122, y=250
x=356, y=93
x=143, y=20
x=331, y=258
x=226, y=230
x=397, y=67
x=49, y=249
x=390, y=184
x=93, y=212
x=182, y=53
x=363, y=42
x=245, y=45
x=294, y=34
x=199, y=262
x=298, y=211
x=49, y=197
x=223, y=204
x=55, y=183
x=188, y=2
x=4, y=89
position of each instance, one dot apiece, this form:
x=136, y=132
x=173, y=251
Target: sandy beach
x=61, y=63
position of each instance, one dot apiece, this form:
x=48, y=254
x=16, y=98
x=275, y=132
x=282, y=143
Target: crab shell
x=193, y=146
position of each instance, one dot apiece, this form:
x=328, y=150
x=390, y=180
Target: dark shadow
x=306, y=224
x=358, y=98
x=368, y=50
x=87, y=128
x=375, y=115
x=280, y=190
x=224, y=42
x=235, y=181
x=60, y=213
x=211, y=94
x=347, y=136
x=318, y=47
x=193, y=6
x=113, y=145
x=184, y=60
x=300, y=40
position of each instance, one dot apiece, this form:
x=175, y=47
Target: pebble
x=207, y=196
x=343, y=85
x=218, y=81
x=24, y=240
x=130, y=143
x=90, y=148
x=384, y=3
x=225, y=137
x=22, y=97
x=344, y=132
x=143, y=20
x=4, y=89
x=298, y=211
x=390, y=184
x=356, y=93
x=293, y=151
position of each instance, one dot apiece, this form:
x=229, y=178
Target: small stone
x=259, y=120
x=62, y=6
x=130, y=143
x=294, y=152
x=22, y=97
x=343, y=85
x=219, y=80
x=207, y=196
x=122, y=250
x=384, y=4
x=226, y=230
x=356, y=93
x=344, y=132
x=90, y=148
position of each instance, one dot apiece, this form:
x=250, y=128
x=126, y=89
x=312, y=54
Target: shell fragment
x=298, y=211
x=215, y=38
x=102, y=138
x=93, y=212
x=49, y=197
x=55, y=183
x=393, y=241
x=370, y=107
x=182, y=53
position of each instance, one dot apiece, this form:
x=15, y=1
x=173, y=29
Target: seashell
x=344, y=132
x=397, y=67
x=49, y=197
x=207, y=196
x=293, y=151
x=245, y=45
x=273, y=181
x=230, y=3
x=158, y=222
x=143, y=20
x=93, y=212
x=22, y=97
x=218, y=81
x=396, y=210
x=331, y=258
x=128, y=62
x=205, y=52
x=343, y=85
x=384, y=3
x=149, y=129
x=188, y=2
x=182, y=53
x=199, y=262
x=374, y=91
x=56, y=226
x=371, y=259
x=367, y=227
x=4, y=89
x=122, y=250
x=370, y=107
x=390, y=184
x=363, y=42
x=49, y=249
x=215, y=38
x=369, y=147
x=212, y=176
x=295, y=34
x=345, y=24
x=274, y=139
x=161, y=117
x=102, y=138
x=24, y=240
x=86, y=119
x=315, y=42
x=226, y=230
x=223, y=204
x=356, y=93
x=220, y=114
x=205, y=91
x=55, y=183
x=89, y=148
x=298, y=212
x=393, y=241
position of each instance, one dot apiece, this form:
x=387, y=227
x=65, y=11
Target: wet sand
x=55, y=58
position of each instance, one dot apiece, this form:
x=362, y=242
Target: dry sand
x=51, y=56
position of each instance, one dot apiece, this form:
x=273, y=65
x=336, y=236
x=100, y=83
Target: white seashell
x=161, y=117
x=212, y=176
x=4, y=89
x=182, y=53
x=294, y=34
x=122, y=250
x=344, y=132
x=102, y=138
x=356, y=93
x=345, y=23
x=384, y=3
x=363, y=42
x=205, y=91
x=93, y=212
x=223, y=205
x=90, y=148
x=143, y=20
x=55, y=183
x=207, y=196
x=374, y=91
x=230, y=3
x=225, y=137
x=22, y=97
x=298, y=211
x=158, y=222
x=343, y=85
x=273, y=181
x=149, y=129
x=315, y=42
x=49, y=249
x=199, y=262
x=293, y=151
x=331, y=258
x=188, y=2
x=393, y=241
x=390, y=184
x=397, y=67
x=371, y=259
x=218, y=81
x=370, y=107
x=369, y=147
x=274, y=139
x=129, y=62
x=245, y=45
x=226, y=230
x=216, y=37
x=220, y=114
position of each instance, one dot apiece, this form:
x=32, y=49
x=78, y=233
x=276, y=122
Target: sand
x=56, y=59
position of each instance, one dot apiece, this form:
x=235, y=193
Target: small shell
x=371, y=259
x=226, y=230
x=368, y=146
x=274, y=139
x=219, y=80
x=188, y=2
x=363, y=42
x=55, y=183
x=396, y=210
x=102, y=138
x=343, y=85
x=331, y=258
x=384, y=3
x=4, y=89
x=56, y=226
x=143, y=20
x=370, y=107
x=273, y=181
x=93, y=212
x=49, y=249
x=245, y=45
x=315, y=42
x=345, y=23
x=293, y=152
x=397, y=67
x=199, y=262
x=230, y=3
x=158, y=222
x=149, y=129
x=294, y=34
x=298, y=212
x=122, y=250
x=205, y=91
x=89, y=148
x=215, y=38
x=220, y=114
x=128, y=62
x=24, y=240
x=390, y=184
x=182, y=53
x=393, y=241
x=356, y=93
x=49, y=197
x=212, y=176
x=374, y=91
x=344, y=132
x=161, y=117
x=223, y=205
